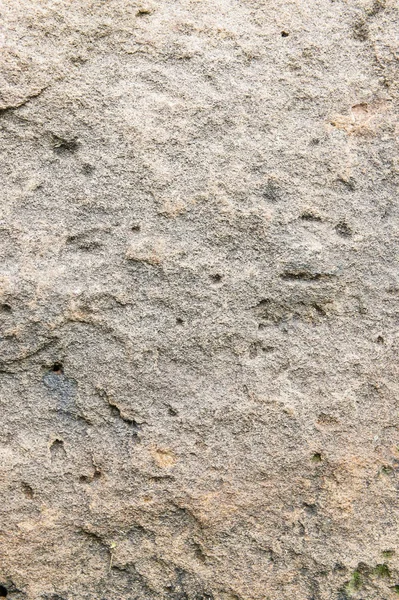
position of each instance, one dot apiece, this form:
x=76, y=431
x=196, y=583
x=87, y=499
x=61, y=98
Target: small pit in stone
x=284, y=34
x=5, y=308
x=3, y=591
x=343, y=229
x=143, y=11
x=27, y=490
x=57, y=451
x=87, y=169
x=179, y=321
x=317, y=458
x=216, y=278
x=135, y=227
x=57, y=368
x=64, y=146
x=310, y=216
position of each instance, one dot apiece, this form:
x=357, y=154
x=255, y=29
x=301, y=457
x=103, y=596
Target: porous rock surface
x=199, y=291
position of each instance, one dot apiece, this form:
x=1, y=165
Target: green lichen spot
x=355, y=583
x=387, y=470
x=388, y=553
x=382, y=571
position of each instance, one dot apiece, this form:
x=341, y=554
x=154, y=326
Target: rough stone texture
x=199, y=293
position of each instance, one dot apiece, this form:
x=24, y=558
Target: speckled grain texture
x=199, y=300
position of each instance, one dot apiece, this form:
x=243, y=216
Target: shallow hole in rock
x=317, y=458
x=172, y=412
x=62, y=145
x=179, y=321
x=309, y=216
x=135, y=228
x=310, y=508
x=380, y=339
x=217, y=278
x=143, y=12
x=284, y=34
x=5, y=308
x=87, y=169
x=27, y=490
x=343, y=229
x=3, y=591
x=57, y=450
x=57, y=367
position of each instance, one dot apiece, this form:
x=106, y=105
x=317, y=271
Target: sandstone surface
x=199, y=300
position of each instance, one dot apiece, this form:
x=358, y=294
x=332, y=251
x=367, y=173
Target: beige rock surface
x=199, y=300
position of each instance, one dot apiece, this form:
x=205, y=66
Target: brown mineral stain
x=163, y=457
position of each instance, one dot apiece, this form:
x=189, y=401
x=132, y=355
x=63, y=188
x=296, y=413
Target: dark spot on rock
x=309, y=216
x=303, y=275
x=135, y=227
x=311, y=509
x=142, y=12
x=83, y=241
x=360, y=30
x=319, y=309
x=380, y=339
x=88, y=169
x=89, y=478
x=64, y=146
x=378, y=6
x=253, y=349
x=3, y=591
x=267, y=349
x=5, y=308
x=284, y=34
x=271, y=191
x=317, y=458
x=58, y=368
x=217, y=278
x=179, y=321
x=343, y=229
x=387, y=470
x=349, y=184
x=27, y=490
x=57, y=450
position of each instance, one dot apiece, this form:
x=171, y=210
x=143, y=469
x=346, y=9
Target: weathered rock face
x=199, y=300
